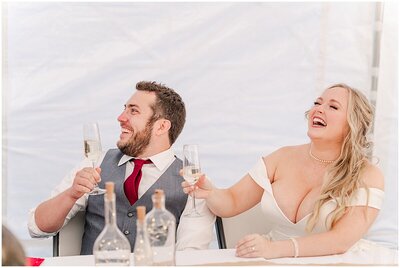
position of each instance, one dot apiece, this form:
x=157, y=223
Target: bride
x=321, y=197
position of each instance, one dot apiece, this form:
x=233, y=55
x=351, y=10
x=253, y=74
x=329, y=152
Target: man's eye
x=133, y=110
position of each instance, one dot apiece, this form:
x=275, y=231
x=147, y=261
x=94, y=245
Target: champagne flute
x=191, y=171
x=92, y=149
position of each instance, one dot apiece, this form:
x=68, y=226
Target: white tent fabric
x=247, y=73
x=386, y=126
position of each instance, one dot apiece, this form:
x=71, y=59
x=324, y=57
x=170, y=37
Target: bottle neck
x=159, y=203
x=140, y=226
x=110, y=210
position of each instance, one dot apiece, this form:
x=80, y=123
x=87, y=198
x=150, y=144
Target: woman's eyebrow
x=333, y=100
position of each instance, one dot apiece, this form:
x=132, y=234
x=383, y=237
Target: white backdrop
x=246, y=71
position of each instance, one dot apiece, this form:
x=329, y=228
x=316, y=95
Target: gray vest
x=170, y=181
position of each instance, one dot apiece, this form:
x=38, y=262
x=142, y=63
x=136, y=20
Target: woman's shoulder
x=285, y=155
x=372, y=176
x=287, y=151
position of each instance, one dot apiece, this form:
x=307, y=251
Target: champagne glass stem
x=194, y=200
x=96, y=186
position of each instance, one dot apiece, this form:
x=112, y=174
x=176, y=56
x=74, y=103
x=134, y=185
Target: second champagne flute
x=191, y=171
x=92, y=148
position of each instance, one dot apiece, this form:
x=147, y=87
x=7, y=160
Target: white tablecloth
x=227, y=257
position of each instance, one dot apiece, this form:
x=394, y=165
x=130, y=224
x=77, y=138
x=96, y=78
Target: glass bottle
x=161, y=226
x=142, y=253
x=111, y=247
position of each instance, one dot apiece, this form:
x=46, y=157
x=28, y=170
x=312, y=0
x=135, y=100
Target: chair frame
x=230, y=230
x=219, y=226
x=56, y=245
x=73, y=232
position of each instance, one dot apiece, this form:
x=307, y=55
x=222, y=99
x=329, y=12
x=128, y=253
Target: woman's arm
x=238, y=198
x=343, y=234
x=227, y=202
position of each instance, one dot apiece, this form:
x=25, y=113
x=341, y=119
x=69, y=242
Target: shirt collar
x=160, y=160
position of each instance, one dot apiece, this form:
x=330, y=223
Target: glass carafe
x=161, y=226
x=143, y=254
x=111, y=247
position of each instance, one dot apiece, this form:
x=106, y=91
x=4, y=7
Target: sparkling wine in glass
x=191, y=171
x=92, y=149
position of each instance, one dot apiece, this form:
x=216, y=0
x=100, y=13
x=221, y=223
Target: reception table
x=226, y=257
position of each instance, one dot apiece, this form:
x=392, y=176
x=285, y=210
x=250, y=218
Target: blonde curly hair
x=344, y=177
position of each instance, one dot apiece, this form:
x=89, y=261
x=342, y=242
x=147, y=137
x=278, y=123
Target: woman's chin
x=313, y=136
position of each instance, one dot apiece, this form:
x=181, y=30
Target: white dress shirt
x=192, y=232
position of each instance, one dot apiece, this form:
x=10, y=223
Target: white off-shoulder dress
x=282, y=228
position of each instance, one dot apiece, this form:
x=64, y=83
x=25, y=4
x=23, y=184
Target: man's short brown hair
x=168, y=105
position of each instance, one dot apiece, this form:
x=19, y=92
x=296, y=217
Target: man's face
x=136, y=128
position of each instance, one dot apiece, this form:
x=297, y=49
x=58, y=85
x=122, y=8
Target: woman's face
x=327, y=119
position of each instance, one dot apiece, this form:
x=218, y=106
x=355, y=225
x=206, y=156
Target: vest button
x=130, y=214
x=126, y=232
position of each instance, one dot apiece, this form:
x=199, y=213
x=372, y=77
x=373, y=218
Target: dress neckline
x=260, y=175
x=271, y=192
x=282, y=213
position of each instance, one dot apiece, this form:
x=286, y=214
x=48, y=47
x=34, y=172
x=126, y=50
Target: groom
x=151, y=122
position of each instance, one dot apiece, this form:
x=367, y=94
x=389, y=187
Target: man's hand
x=85, y=180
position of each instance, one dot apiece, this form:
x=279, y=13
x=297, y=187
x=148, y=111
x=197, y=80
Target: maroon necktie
x=131, y=185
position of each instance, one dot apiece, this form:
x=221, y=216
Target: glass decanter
x=161, y=226
x=111, y=247
x=143, y=254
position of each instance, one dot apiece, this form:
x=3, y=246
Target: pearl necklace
x=320, y=160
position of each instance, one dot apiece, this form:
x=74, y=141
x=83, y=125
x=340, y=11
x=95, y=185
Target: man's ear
x=162, y=126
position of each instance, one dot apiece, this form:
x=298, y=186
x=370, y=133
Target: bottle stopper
x=109, y=189
x=158, y=195
x=141, y=212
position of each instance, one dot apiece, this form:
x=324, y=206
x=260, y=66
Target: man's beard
x=138, y=142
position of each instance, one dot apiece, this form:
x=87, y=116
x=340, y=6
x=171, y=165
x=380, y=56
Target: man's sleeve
x=80, y=204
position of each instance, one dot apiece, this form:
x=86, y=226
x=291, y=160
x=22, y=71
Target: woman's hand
x=253, y=246
x=202, y=188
